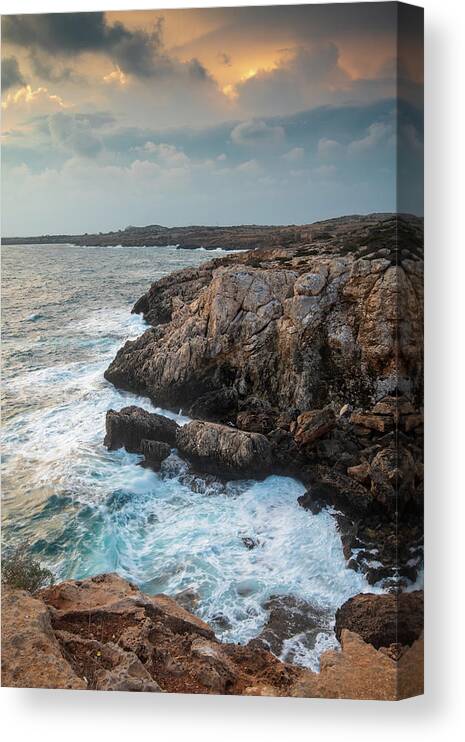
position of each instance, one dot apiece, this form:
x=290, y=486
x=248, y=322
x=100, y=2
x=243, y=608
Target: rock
x=154, y=452
x=216, y=406
x=299, y=326
x=392, y=473
x=256, y=422
x=117, y=638
x=308, y=502
x=379, y=423
x=382, y=620
x=187, y=598
x=394, y=407
x=131, y=425
x=290, y=616
x=254, y=404
x=360, y=472
x=224, y=451
x=103, y=633
x=312, y=425
x=31, y=654
x=359, y=671
x=340, y=490
x=286, y=455
x=249, y=542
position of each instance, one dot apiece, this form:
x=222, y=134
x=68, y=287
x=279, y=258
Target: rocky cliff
x=315, y=352
x=104, y=634
x=334, y=320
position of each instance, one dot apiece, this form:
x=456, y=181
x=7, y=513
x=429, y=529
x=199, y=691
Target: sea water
x=84, y=510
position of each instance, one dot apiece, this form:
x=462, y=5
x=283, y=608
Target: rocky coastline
x=102, y=633
x=301, y=357
x=305, y=361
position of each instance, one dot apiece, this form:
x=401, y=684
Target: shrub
x=19, y=569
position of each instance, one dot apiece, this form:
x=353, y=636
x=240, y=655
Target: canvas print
x=212, y=336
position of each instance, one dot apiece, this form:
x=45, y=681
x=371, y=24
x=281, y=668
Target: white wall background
x=70, y=716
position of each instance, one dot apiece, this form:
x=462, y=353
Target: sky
x=263, y=115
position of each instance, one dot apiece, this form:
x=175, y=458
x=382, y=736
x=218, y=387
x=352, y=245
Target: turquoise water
x=84, y=510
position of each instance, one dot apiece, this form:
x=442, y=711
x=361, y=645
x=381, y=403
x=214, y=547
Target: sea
x=83, y=510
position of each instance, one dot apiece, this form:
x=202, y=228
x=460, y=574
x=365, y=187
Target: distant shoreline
x=243, y=237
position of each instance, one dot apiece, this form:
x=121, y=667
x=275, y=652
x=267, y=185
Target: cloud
x=294, y=154
x=28, y=97
x=137, y=52
x=328, y=148
x=74, y=134
x=11, y=74
x=377, y=133
x=167, y=154
x=303, y=76
x=253, y=133
x=47, y=69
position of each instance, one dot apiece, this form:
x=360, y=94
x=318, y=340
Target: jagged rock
x=131, y=425
x=216, y=406
x=308, y=502
x=256, y=422
x=31, y=654
x=360, y=671
x=379, y=423
x=382, y=620
x=289, y=616
x=154, y=452
x=103, y=633
x=392, y=473
x=227, y=452
x=298, y=327
x=360, y=472
x=312, y=425
x=286, y=455
x=338, y=489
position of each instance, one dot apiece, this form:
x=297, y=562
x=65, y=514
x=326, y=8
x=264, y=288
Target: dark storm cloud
x=11, y=74
x=68, y=34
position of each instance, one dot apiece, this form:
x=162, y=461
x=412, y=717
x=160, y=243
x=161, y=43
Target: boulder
x=224, y=451
x=313, y=424
x=128, y=427
x=382, y=620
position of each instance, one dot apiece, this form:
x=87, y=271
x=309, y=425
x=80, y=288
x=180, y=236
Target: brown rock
x=360, y=472
x=312, y=425
x=297, y=326
x=379, y=423
x=383, y=620
x=256, y=422
x=361, y=672
x=31, y=654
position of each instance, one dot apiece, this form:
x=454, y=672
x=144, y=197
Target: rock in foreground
x=102, y=633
